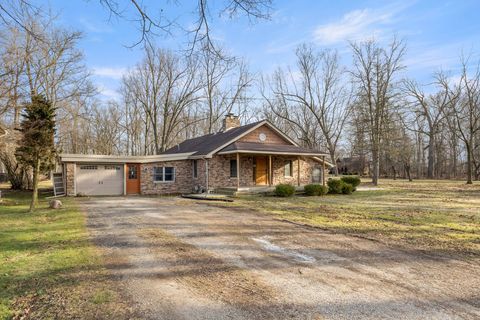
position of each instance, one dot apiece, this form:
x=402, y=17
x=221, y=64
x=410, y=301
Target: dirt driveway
x=179, y=259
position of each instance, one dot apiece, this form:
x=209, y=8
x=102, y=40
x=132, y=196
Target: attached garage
x=96, y=179
x=107, y=175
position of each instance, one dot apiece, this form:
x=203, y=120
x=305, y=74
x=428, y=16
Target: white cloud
x=110, y=72
x=441, y=56
x=358, y=25
x=431, y=59
x=108, y=93
x=95, y=28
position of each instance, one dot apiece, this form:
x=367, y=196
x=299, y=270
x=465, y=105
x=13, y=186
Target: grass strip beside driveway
x=49, y=268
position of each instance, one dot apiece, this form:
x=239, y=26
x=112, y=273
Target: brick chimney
x=230, y=121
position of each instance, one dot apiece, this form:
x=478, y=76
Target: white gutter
x=82, y=158
x=275, y=153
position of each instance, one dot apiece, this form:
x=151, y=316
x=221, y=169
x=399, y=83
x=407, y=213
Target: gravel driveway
x=181, y=259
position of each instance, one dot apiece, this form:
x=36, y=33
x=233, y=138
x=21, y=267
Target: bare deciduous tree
x=374, y=72
x=152, y=22
x=314, y=97
x=466, y=110
x=430, y=108
x=226, y=83
x=164, y=85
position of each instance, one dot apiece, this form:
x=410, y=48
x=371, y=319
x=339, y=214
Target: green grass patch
x=45, y=257
x=102, y=296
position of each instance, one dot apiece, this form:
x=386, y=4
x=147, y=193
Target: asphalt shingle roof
x=205, y=144
x=202, y=146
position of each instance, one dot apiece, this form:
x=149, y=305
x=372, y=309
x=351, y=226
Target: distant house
x=238, y=157
x=353, y=165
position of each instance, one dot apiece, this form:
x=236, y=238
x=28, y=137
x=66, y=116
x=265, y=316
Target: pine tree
x=37, y=148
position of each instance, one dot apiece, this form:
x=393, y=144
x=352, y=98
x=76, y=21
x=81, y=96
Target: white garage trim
x=99, y=179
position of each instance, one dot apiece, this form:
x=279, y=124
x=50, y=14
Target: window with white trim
x=163, y=174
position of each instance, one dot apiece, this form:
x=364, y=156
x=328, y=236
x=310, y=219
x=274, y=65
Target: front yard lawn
x=441, y=216
x=48, y=267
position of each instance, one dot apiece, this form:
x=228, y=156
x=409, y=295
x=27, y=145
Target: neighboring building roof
x=251, y=147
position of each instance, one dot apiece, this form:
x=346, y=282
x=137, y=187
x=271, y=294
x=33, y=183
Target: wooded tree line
x=368, y=116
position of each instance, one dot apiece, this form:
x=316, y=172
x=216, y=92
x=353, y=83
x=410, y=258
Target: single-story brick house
x=238, y=157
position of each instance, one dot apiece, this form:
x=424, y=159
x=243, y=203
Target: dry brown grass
x=442, y=216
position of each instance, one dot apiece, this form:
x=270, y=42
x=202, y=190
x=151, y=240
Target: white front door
x=99, y=179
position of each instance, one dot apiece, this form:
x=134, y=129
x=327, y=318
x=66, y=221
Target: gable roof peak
x=207, y=145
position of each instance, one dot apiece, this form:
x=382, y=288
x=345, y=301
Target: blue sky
x=435, y=31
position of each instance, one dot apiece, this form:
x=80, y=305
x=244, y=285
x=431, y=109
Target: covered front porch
x=250, y=190
x=259, y=171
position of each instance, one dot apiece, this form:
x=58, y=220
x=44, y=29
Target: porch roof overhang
x=270, y=149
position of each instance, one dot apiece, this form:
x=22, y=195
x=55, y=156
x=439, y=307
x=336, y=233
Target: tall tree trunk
x=407, y=170
x=454, y=169
x=431, y=158
x=469, y=164
x=36, y=172
x=375, y=166
x=419, y=157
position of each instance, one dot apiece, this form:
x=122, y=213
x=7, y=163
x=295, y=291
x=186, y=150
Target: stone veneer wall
x=306, y=170
x=183, y=183
x=69, y=178
x=219, y=171
x=219, y=174
x=201, y=179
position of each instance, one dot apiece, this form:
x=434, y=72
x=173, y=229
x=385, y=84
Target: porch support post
x=270, y=171
x=323, y=172
x=238, y=171
x=298, y=171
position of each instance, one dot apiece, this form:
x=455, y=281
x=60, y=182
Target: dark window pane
x=157, y=173
x=233, y=168
x=169, y=174
x=132, y=172
x=195, y=168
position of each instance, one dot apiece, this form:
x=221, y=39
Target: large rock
x=55, y=204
